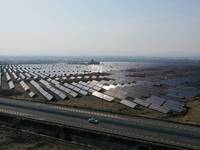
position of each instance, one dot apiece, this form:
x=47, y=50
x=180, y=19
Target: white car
x=93, y=120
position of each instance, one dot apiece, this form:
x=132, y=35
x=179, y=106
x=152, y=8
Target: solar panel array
x=74, y=80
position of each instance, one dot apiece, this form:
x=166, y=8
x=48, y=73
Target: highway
x=133, y=127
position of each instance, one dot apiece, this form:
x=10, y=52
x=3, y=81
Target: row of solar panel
x=54, y=90
x=42, y=91
x=24, y=86
x=161, y=104
x=36, y=75
x=27, y=88
x=57, y=71
x=61, y=67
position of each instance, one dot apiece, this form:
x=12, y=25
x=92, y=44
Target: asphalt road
x=134, y=127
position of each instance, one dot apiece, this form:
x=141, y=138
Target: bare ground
x=15, y=140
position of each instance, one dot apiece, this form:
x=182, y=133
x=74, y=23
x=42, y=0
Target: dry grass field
x=15, y=140
x=193, y=114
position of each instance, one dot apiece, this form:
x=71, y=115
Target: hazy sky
x=100, y=27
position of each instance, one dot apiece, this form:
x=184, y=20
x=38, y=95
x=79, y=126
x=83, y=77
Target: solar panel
x=44, y=82
x=160, y=109
x=72, y=78
x=97, y=94
x=55, y=82
x=141, y=102
x=8, y=78
x=86, y=88
x=54, y=90
x=14, y=75
x=22, y=76
x=28, y=75
x=62, y=95
x=120, y=95
x=64, y=78
x=24, y=86
x=177, y=107
x=103, y=96
x=11, y=85
x=94, y=77
x=63, y=88
x=108, y=98
x=74, y=83
x=73, y=94
x=49, y=96
x=105, y=87
x=69, y=85
x=83, y=92
x=57, y=79
x=76, y=89
x=91, y=85
x=79, y=77
x=128, y=103
x=96, y=88
x=31, y=94
x=155, y=100
x=91, y=90
x=109, y=92
x=99, y=85
x=86, y=77
x=79, y=86
x=83, y=83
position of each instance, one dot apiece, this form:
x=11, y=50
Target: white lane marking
x=13, y=112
